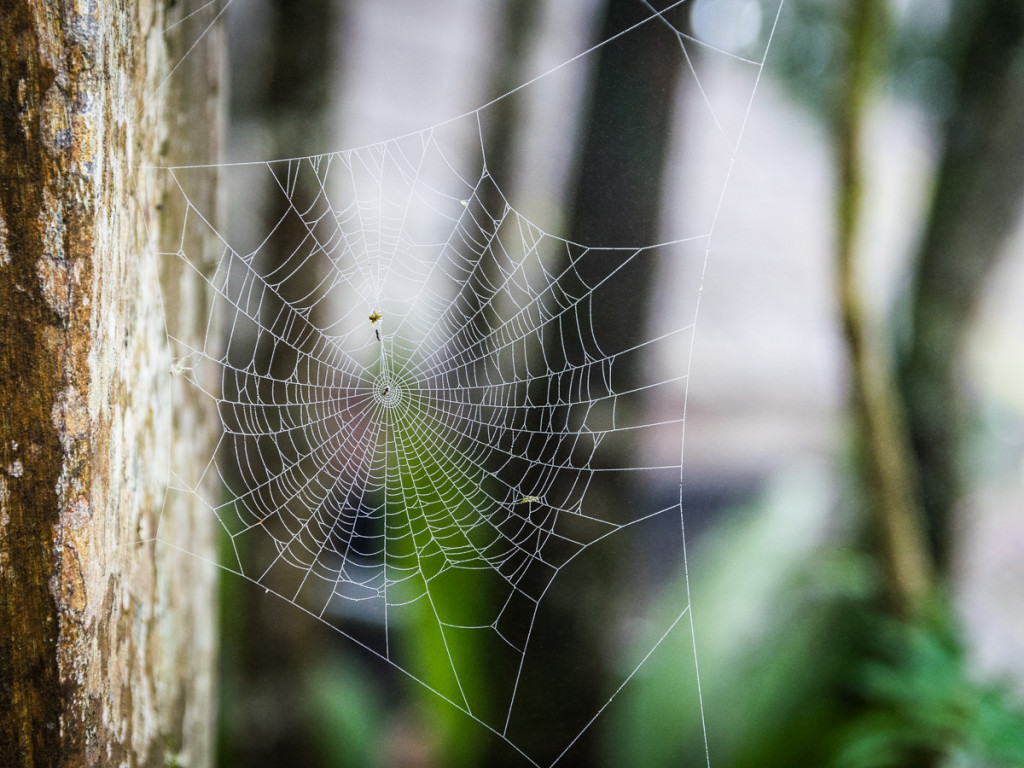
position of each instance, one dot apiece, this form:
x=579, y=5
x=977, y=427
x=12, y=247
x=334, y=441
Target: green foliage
x=921, y=703
x=798, y=665
x=346, y=711
x=775, y=629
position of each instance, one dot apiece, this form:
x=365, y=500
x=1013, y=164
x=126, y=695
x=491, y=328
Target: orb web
x=422, y=410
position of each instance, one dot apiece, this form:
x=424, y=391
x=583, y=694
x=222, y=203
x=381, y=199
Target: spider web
x=421, y=416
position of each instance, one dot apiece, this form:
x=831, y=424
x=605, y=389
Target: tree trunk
x=885, y=462
x=974, y=211
x=107, y=637
x=269, y=655
x=616, y=203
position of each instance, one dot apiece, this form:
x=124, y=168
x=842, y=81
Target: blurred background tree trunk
x=914, y=427
x=517, y=21
x=107, y=637
x=615, y=201
x=885, y=462
x=974, y=210
x=271, y=654
x=909, y=416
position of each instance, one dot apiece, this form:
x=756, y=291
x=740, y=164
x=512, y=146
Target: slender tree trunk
x=886, y=463
x=106, y=640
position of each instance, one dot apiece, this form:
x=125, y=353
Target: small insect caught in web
x=528, y=499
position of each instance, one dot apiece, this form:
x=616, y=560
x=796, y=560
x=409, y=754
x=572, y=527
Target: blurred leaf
x=797, y=666
x=774, y=634
x=346, y=709
x=920, y=700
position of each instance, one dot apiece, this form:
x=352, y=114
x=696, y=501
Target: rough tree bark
x=106, y=637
